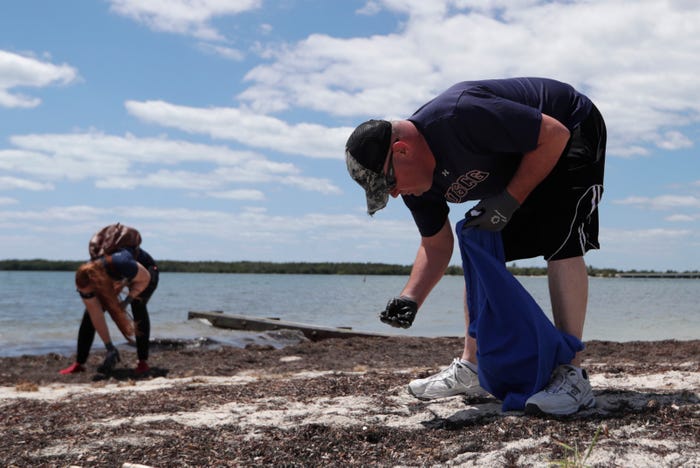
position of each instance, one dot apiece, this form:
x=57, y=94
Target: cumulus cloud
x=242, y=194
x=246, y=126
x=228, y=53
x=677, y=247
x=673, y=140
x=13, y=183
x=637, y=60
x=682, y=218
x=655, y=234
x=188, y=17
x=662, y=202
x=127, y=162
x=24, y=71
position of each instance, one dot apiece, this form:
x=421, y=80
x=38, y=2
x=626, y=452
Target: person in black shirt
x=532, y=150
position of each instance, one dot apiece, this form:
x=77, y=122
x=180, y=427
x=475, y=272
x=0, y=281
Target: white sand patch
x=59, y=391
x=641, y=451
x=671, y=380
x=290, y=358
x=77, y=450
x=661, y=382
x=496, y=457
x=397, y=409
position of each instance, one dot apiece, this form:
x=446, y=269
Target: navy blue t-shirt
x=479, y=131
x=123, y=264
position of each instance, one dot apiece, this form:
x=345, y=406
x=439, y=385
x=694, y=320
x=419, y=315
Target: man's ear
x=400, y=147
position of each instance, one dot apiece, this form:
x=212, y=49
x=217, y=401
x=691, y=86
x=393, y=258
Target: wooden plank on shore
x=245, y=322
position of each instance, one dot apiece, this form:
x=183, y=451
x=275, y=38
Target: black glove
x=492, y=214
x=128, y=300
x=399, y=312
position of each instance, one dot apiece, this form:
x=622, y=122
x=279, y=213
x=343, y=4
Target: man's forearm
x=431, y=261
x=538, y=163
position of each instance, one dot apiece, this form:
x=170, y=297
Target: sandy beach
x=339, y=402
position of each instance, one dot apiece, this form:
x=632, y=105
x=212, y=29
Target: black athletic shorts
x=560, y=217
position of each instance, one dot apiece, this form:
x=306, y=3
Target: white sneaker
x=567, y=392
x=457, y=379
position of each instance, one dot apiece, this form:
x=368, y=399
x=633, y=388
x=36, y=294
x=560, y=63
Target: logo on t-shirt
x=459, y=189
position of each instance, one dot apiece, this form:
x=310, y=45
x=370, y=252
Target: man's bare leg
x=569, y=389
x=457, y=379
x=469, y=352
x=568, y=291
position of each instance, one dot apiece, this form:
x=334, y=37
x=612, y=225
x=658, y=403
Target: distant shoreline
x=322, y=268
x=689, y=274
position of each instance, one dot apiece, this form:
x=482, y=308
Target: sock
x=473, y=367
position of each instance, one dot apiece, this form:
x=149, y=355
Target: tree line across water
x=320, y=268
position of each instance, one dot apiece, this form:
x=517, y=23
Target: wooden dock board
x=248, y=323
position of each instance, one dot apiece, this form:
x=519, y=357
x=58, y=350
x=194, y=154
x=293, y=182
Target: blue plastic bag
x=518, y=347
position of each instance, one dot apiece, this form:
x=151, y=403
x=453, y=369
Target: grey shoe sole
x=416, y=396
x=422, y=398
x=475, y=393
x=534, y=410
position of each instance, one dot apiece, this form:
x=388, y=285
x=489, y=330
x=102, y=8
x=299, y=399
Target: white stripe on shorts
x=596, y=192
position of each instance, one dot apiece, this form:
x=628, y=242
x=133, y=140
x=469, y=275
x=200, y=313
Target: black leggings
x=86, y=334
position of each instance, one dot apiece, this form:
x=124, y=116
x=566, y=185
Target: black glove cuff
x=509, y=203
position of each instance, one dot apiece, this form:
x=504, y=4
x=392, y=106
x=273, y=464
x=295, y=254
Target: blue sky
x=217, y=127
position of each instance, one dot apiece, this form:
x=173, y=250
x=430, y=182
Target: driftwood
x=244, y=322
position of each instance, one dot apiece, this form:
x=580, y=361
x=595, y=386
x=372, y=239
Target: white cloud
x=188, y=17
x=682, y=218
x=605, y=48
x=13, y=183
x=245, y=126
x=97, y=145
x=370, y=8
x=656, y=248
x=654, y=234
x=7, y=201
x=22, y=71
x=636, y=59
x=127, y=162
x=222, y=51
x=45, y=217
x=254, y=195
x=312, y=184
x=673, y=140
x=662, y=202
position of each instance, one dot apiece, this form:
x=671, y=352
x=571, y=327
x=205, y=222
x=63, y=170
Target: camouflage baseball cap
x=365, y=154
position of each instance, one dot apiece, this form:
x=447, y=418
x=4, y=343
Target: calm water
x=40, y=311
